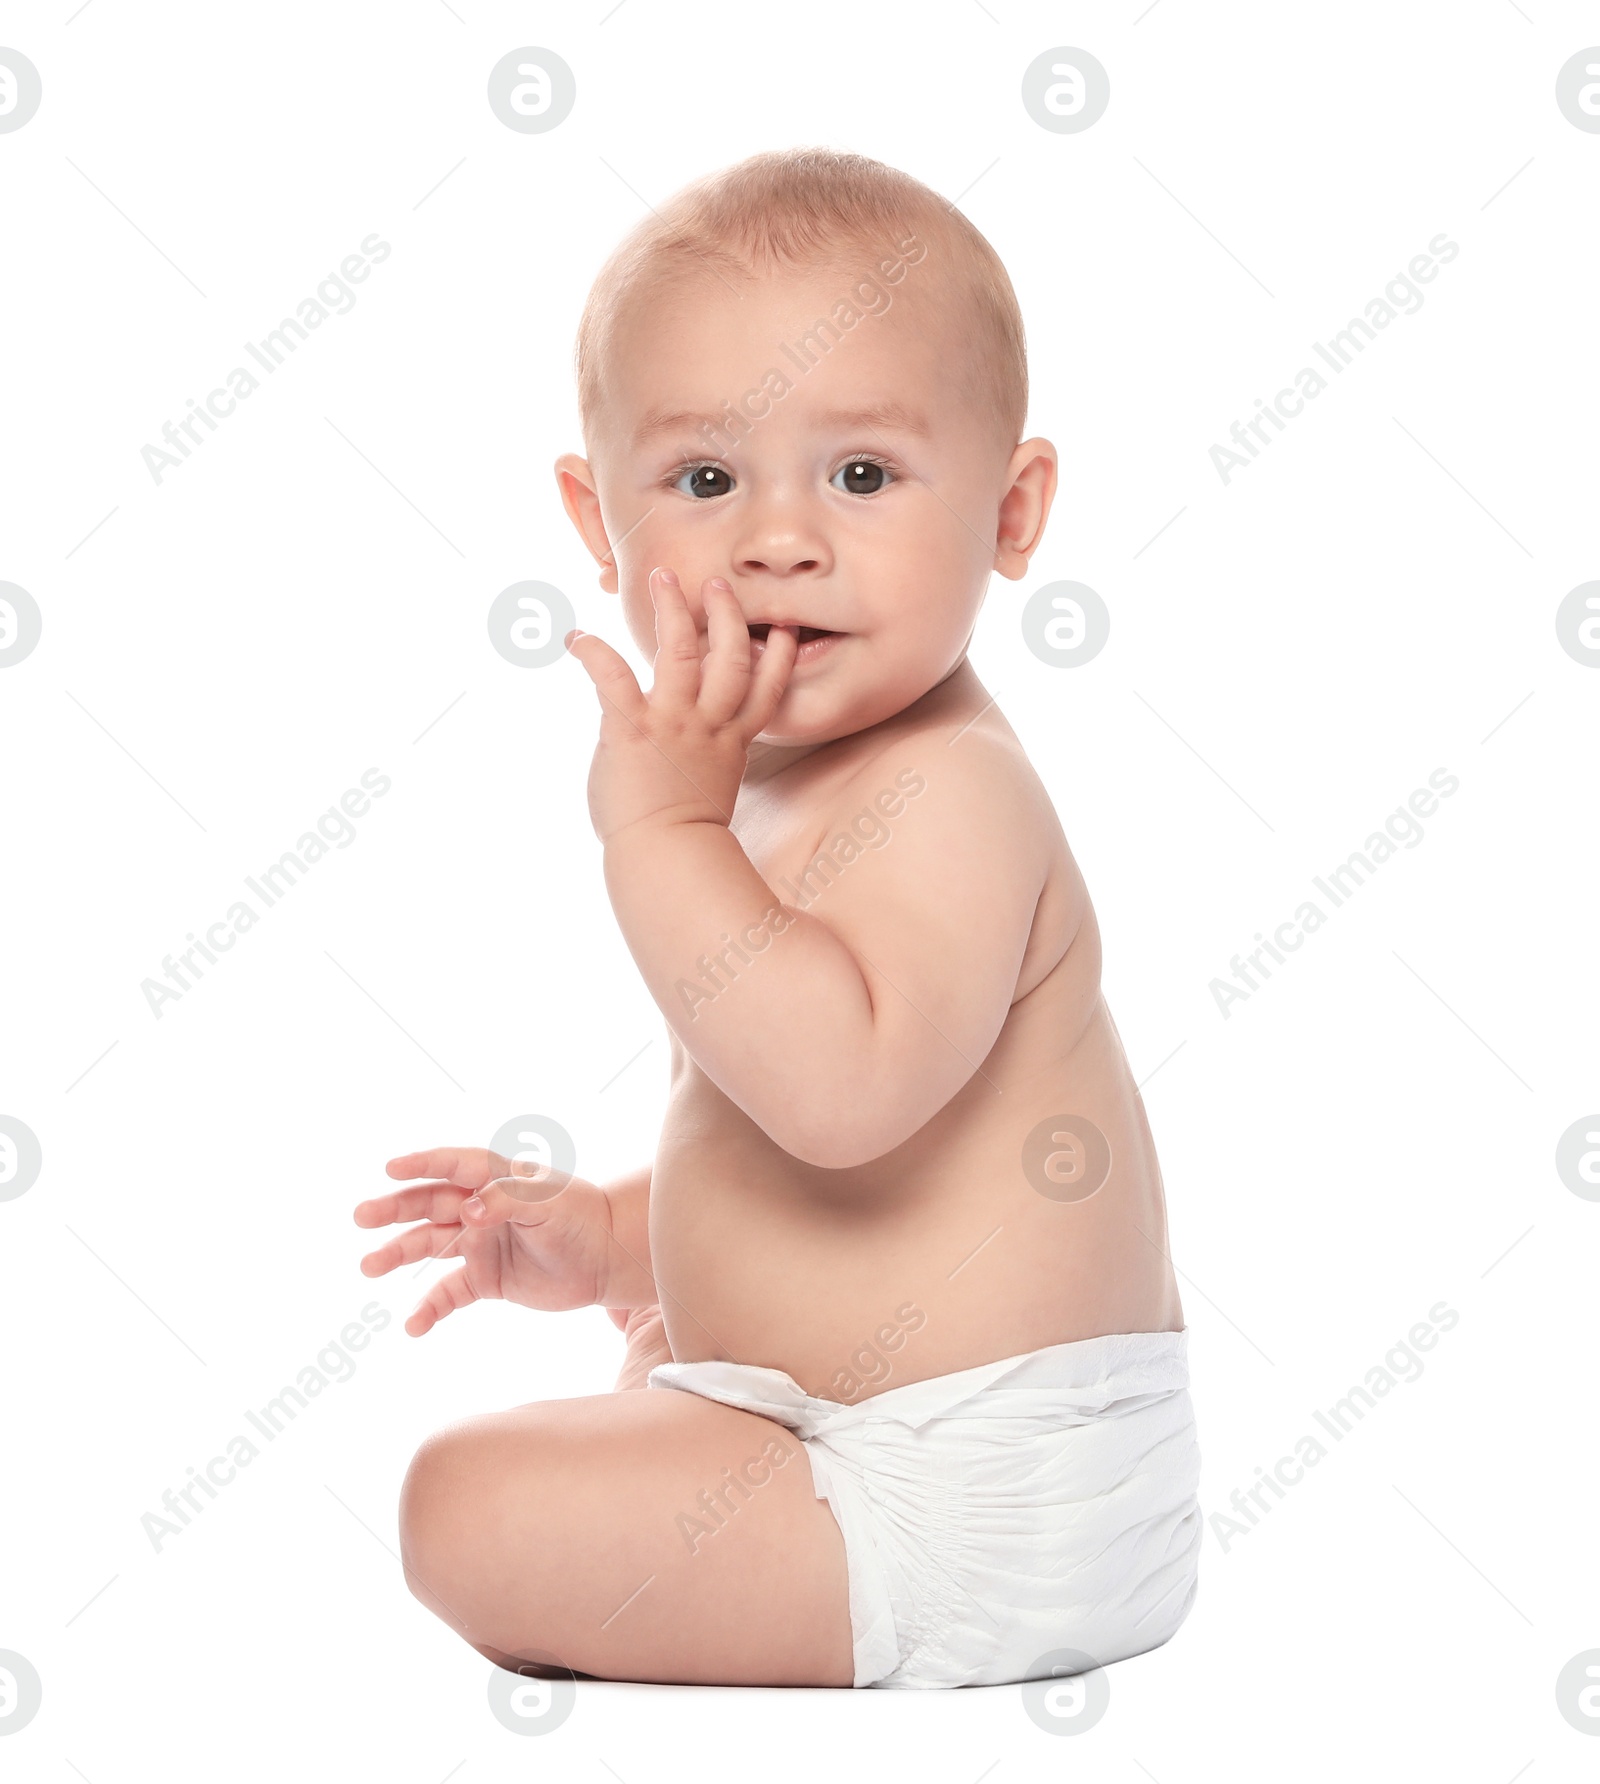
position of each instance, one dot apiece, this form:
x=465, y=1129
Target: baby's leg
x=652, y=1535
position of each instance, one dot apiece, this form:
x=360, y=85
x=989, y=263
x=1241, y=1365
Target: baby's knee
x=429, y=1485
x=459, y=1508
x=437, y=1512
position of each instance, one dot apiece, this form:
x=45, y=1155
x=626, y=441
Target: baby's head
x=806, y=374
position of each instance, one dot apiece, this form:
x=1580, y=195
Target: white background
x=224, y=653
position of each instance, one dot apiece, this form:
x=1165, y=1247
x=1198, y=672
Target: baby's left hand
x=677, y=755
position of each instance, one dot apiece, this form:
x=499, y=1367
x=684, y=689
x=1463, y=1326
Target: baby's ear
x=576, y=482
x=1025, y=507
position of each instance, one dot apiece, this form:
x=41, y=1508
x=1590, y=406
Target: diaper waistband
x=1090, y=1378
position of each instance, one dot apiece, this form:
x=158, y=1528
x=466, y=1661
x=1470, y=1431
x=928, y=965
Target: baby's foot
x=647, y=1344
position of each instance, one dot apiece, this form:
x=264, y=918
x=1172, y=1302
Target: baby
x=905, y=1396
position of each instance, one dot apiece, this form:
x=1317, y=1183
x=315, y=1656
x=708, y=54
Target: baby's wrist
x=626, y=1279
x=658, y=827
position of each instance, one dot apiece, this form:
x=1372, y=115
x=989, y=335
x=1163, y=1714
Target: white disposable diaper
x=999, y=1516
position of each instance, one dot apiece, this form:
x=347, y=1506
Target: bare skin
x=863, y=1178
x=946, y=1220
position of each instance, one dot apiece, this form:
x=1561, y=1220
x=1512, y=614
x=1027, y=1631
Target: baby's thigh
x=651, y=1535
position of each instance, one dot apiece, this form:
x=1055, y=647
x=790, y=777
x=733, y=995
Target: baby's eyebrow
x=658, y=422
x=899, y=416
x=886, y=414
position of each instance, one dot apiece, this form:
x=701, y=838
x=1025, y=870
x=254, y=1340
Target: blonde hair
x=807, y=207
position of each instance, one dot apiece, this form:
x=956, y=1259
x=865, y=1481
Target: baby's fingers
x=424, y=1201
x=770, y=679
x=412, y=1245
x=677, y=664
x=469, y=1166
x=613, y=680
x=726, y=671
x=525, y=1200
x=442, y=1299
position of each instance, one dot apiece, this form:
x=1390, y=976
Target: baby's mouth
x=806, y=634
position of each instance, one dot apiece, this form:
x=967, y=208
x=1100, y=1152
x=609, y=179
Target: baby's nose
x=775, y=561
x=782, y=536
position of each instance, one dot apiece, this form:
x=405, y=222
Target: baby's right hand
x=523, y=1238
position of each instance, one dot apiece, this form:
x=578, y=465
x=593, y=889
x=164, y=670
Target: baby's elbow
x=852, y=1116
x=832, y=1141
x=831, y=1153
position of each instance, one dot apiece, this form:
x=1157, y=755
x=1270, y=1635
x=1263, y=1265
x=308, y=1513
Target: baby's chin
x=807, y=717
x=802, y=723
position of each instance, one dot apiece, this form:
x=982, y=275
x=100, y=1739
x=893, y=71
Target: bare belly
x=997, y=1229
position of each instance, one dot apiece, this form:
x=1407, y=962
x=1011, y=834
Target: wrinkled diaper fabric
x=1000, y=1516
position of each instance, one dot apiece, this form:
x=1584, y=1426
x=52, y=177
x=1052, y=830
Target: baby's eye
x=862, y=477
x=704, y=481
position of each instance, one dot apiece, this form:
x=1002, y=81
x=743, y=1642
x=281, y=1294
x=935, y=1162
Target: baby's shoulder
x=976, y=756
x=975, y=837
x=971, y=784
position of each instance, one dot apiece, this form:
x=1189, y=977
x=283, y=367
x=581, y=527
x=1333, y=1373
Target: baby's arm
x=846, y=1031
x=850, y=1026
